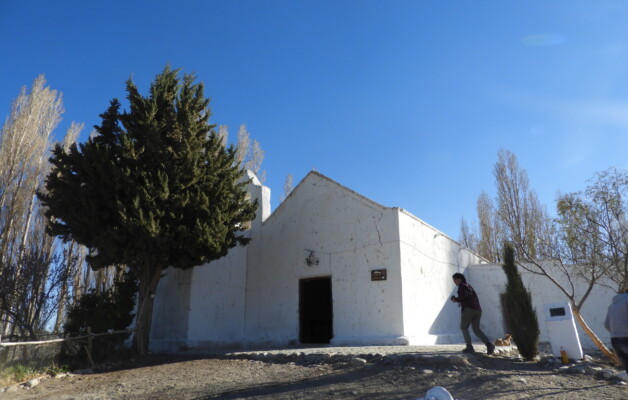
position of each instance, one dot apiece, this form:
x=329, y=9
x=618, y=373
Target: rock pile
x=585, y=366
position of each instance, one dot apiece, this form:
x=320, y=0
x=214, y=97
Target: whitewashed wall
x=251, y=296
x=349, y=236
x=490, y=280
x=204, y=306
x=217, y=293
x=171, y=308
x=218, y=289
x=428, y=260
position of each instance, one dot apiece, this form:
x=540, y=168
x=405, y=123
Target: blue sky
x=405, y=102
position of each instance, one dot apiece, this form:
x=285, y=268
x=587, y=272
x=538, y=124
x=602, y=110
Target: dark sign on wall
x=378, y=274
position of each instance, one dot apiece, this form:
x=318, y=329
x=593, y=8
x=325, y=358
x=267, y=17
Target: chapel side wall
x=345, y=236
x=169, y=326
x=428, y=260
x=203, y=307
x=491, y=281
x=217, y=293
x=218, y=289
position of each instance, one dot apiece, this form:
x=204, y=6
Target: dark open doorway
x=315, y=310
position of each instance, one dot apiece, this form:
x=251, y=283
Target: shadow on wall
x=446, y=326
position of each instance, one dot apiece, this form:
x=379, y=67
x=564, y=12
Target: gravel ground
x=388, y=372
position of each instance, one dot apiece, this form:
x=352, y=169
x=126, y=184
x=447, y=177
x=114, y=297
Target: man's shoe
x=490, y=348
x=468, y=350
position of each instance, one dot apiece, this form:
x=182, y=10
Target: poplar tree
x=154, y=188
x=34, y=271
x=587, y=242
x=520, y=315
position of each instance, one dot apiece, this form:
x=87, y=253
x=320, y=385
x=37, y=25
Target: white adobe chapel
x=331, y=266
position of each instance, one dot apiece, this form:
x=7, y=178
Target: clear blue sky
x=405, y=102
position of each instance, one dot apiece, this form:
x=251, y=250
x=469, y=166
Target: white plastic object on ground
x=437, y=393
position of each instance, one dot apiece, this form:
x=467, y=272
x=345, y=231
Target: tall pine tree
x=154, y=188
x=520, y=315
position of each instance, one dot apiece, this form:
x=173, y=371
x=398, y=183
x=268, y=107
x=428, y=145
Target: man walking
x=471, y=314
x=617, y=324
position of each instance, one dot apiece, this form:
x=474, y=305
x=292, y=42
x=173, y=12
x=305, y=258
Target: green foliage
x=56, y=369
x=109, y=310
x=20, y=373
x=520, y=315
x=16, y=373
x=594, y=227
x=156, y=186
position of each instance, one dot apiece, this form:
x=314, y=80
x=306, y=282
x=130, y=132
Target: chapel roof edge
x=400, y=210
x=319, y=175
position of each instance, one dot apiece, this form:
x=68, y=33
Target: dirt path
x=327, y=376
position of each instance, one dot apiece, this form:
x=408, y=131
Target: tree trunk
x=61, y=309
x=600, y=345
x=63, y=294
x=148, y=284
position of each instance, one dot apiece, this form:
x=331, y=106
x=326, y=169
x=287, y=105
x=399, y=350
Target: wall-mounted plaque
x=378, y=274
x=557, y=312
